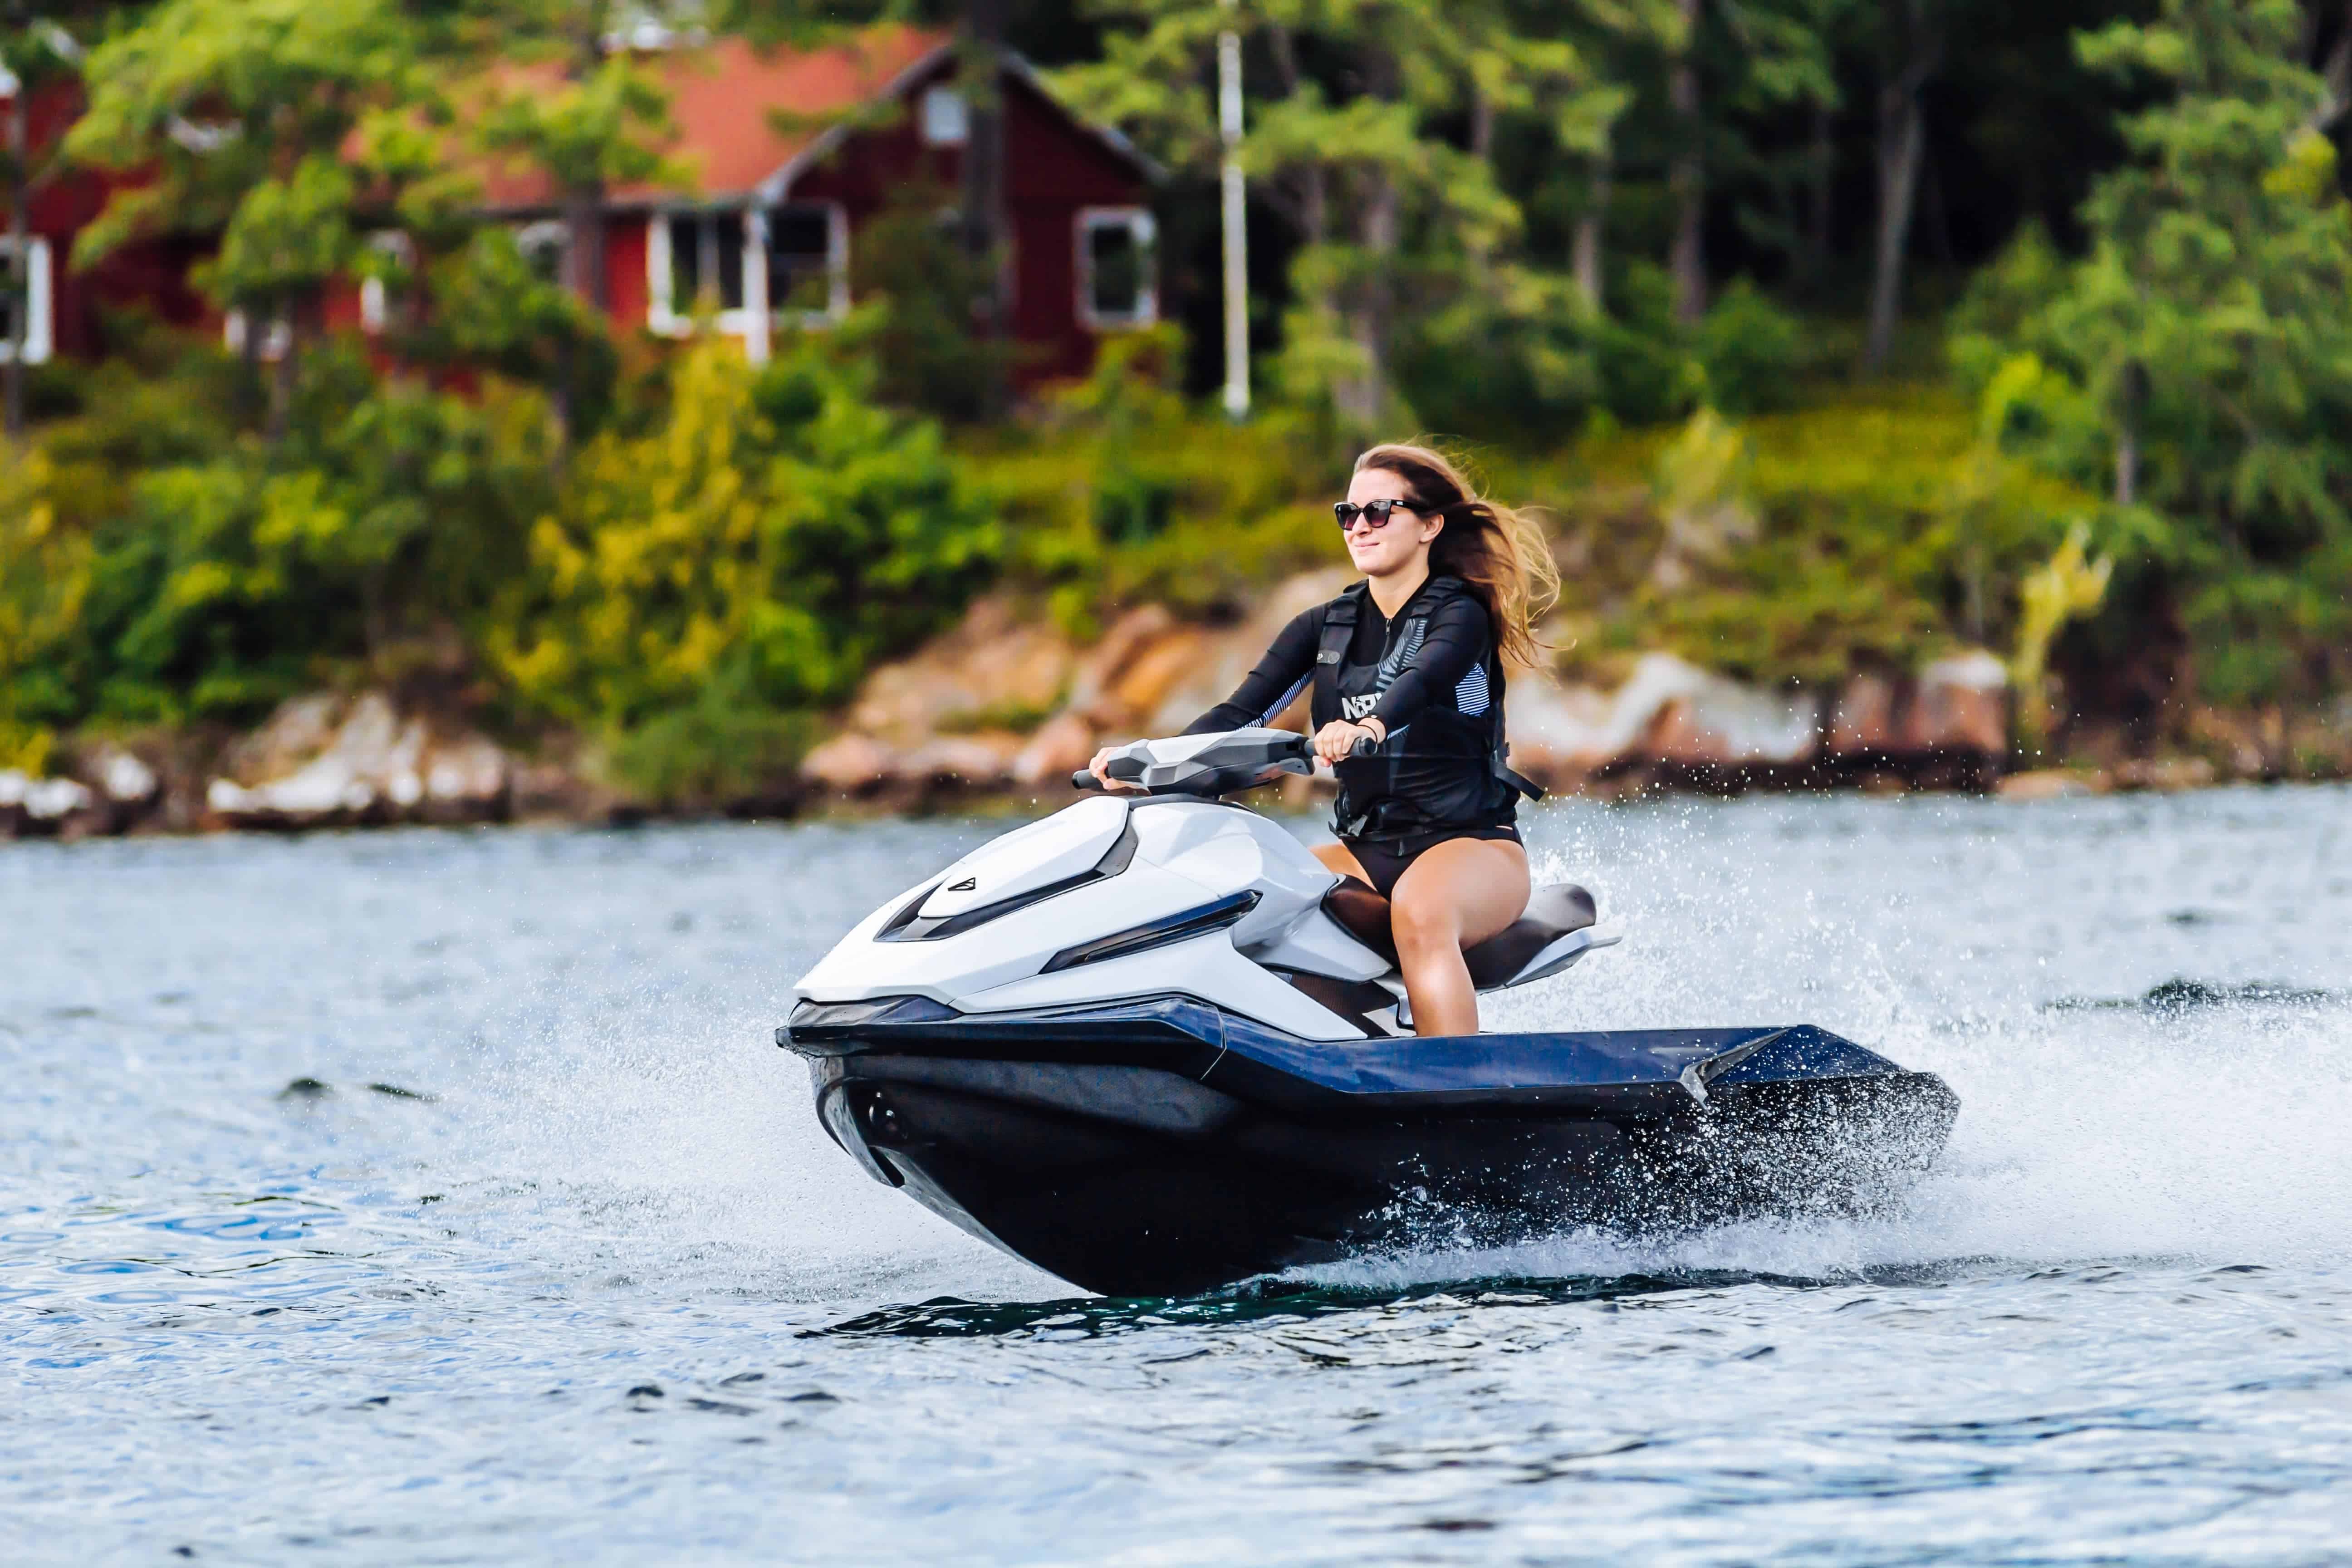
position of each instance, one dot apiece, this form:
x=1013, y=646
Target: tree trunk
x=1364, y=398
x=2335, y=72
x=982, y=218
x=1313, y=207
x=20, y=262
x=583, y=246
x=582, y=271
x=583, y=205
x=1591, y=225
x=1902, y=143
x=1688, y=176
x=2135, y=393
x=283, y=376
x=1482, y=147
x=1821, y=172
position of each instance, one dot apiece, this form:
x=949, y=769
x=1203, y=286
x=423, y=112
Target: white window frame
x=836, y=265
x=39, y=304
x=944, y=117
x=1139, y=222
x=274, y=340
x=375, y=303
x=753, y=321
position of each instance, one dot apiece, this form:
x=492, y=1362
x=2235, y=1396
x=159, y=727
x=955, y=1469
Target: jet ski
x=1151, y=1045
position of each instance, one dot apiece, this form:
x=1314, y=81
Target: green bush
x=1123, y=494
x=698, y=589
x=209, y=574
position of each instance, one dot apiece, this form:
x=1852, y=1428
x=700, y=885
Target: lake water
x=558, y=1267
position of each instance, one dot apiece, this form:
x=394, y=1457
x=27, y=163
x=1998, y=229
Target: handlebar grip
x=1085, y=779
x=1367, y=747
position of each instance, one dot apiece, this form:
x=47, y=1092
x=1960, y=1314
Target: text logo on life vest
x=1354, y=707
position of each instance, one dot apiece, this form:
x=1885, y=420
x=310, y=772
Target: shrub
x=696, y=587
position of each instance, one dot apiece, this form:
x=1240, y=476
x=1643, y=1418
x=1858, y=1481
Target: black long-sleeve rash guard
x=1456, y=636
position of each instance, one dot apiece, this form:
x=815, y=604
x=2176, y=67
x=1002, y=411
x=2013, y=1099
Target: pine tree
x=2211, y=325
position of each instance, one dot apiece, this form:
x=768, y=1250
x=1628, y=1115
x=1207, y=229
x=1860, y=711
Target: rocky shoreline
x=1002, y=708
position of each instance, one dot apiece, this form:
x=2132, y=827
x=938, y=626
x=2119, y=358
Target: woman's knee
x=1424, y=920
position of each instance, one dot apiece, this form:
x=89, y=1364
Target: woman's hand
x=1102, y=758
x=1336, y=741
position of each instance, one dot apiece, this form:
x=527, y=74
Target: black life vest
x=1449, y=768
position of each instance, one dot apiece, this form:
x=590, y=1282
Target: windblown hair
x=1499, y=551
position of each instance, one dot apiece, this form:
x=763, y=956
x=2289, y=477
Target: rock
x=1156, y=670
x=1962, y=705
x=1560, y=735
x=1062, y=745
x=977, y=761
x=468, y=779
x=53, y=800
x=43, y=807
x=849, y=764
x=2052, y=783
x=988, y=665
x=365, y=763
x=1232, y=653
x=1667, y=711
x=2166, y=774
x=1724, y=724
x=1862, y=723
x=127, y=781
x=1100, y=671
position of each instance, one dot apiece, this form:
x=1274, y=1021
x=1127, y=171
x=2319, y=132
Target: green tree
x=240, y=118
x=702, y=587
x=2207, y=328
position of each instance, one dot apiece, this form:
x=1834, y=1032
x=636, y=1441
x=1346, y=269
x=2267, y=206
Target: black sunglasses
x=1374, y=512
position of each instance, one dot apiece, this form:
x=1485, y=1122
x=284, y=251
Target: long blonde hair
x=1498, y=551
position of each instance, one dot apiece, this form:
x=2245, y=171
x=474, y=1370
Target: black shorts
x=1385, y=862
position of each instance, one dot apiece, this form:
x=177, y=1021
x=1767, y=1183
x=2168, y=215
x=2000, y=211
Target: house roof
x=722, y=95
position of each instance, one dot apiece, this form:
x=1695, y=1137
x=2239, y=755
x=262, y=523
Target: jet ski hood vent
x=1069, y=844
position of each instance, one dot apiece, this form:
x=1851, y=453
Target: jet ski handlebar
x=1213, y=764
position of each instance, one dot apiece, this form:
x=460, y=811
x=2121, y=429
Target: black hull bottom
x=1141, y=1181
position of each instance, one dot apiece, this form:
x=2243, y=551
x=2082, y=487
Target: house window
x=705, y=262
x=394, y=258
x=25, y=305
x=275, y=338
x=946, y=121
x=808, y=261
x=792, y=261
x=1118, y=271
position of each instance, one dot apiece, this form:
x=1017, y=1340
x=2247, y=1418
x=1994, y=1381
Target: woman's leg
x=1340, y=859
x=1454, y=894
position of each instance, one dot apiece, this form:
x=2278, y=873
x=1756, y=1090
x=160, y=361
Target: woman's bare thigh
x=1339, y=857
x=1483, y=882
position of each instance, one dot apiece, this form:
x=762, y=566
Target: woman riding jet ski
x=1153, y=1043
x=1411, y=661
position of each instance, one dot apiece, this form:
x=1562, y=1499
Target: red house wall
x=1053, y=168
x=151, y=275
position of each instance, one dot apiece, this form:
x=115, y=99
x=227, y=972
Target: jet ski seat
x=1553, y=910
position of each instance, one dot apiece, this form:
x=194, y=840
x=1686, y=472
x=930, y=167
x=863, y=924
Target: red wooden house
x=766, y=236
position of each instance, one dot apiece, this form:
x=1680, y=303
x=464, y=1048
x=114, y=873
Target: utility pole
x=1237, y=222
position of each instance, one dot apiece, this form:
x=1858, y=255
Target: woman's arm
x=1269, y=688
x=1458, y=634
